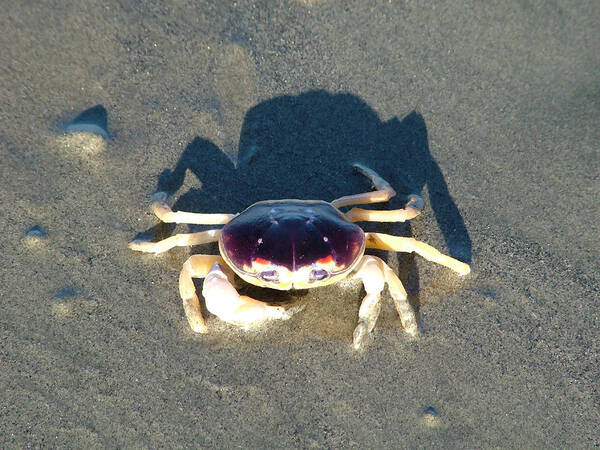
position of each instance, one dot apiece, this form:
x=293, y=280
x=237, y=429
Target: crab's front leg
x=374, y=282
x=374, y=274
x=196, y=266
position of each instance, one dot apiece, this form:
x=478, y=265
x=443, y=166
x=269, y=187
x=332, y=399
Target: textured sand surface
x=490, y=111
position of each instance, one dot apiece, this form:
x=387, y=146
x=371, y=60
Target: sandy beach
x=489, y=111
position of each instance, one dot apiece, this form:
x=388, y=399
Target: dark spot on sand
x=65, y=293
x=36, y=232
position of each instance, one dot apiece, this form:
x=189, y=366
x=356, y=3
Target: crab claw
x=224, y=301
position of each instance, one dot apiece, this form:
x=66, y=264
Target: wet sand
x=490, y=112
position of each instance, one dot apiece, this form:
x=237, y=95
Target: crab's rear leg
x=374, y=273
x=384, y=191
x=408, y=245
x=164, y=212
x=177, y=240
x=413, y=208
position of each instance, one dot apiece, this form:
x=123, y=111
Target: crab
x=294, y=244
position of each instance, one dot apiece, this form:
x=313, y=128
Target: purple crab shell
x=293, y=234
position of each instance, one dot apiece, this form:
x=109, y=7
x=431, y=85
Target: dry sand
x=490, y=111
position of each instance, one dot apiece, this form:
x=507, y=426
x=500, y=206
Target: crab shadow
x=302, y=147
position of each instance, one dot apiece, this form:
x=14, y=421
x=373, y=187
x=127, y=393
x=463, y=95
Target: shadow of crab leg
x=224, y=301
x=196, y=266
x=408, y=245
x=413, y=209
x=164, y=212
x=177, y=240
x=383, y=193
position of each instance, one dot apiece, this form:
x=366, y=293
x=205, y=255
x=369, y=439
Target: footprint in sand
x=87, y=134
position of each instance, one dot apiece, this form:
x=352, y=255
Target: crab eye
x=269, y=275
x=318, y=274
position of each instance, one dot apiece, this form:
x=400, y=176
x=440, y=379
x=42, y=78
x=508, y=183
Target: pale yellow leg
x=383, y=193
x=374, y=273
x=196, y=266
x=408, y=245
x=164, y=212
x=398, y=294
x=413, y=209
x=374, y=282
x=177, y=240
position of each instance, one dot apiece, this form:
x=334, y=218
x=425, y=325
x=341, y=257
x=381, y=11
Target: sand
x=489, y=111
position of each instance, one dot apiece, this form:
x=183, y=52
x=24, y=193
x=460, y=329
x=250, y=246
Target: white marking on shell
x=272, y=215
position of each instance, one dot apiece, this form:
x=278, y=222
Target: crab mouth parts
x=284, y=279
x=274, y=276
x=297, y=277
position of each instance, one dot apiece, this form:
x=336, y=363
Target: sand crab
x=294, y=244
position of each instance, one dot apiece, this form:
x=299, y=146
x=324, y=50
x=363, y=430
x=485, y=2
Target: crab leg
x=196, y=266
x=408, y=245
x=383, y=193
x=374, y=273
x=164, y=212
x=224, y=301
x=413, y=209
x=177, y=240
x=374, y=282
x=398, y=293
